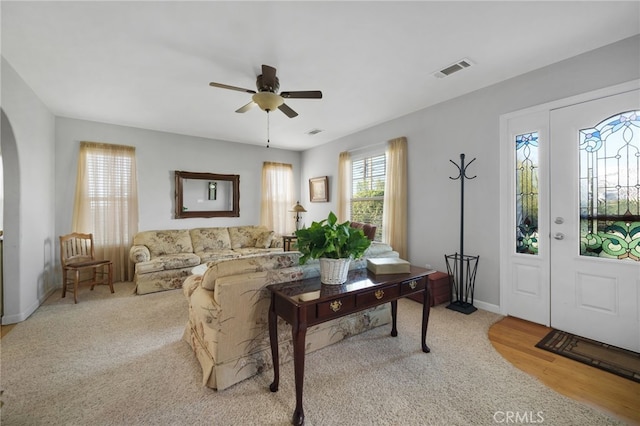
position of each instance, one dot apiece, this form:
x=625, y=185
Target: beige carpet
x=119, y=360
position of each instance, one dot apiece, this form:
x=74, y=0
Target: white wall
x=29, y=238
x=469, y=125
x=39, y=189
x=1, y=193
x=158, y=155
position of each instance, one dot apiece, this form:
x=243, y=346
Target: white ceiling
x=148, y=64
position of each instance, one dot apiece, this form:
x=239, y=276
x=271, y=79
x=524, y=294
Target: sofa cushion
x=149, y=266
x=248, y=251
x=163, y=263
x=264, y=239
x=213, y=255
x=243, y=265
x=210, y=239
x=161, y=243
x=245, y=236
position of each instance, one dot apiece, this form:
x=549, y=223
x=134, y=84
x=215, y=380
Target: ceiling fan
x=267, y=96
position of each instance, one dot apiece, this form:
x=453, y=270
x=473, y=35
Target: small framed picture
x=319, y=189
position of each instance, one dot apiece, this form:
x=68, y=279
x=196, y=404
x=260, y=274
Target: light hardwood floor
x=4, y=329
x=515, y=340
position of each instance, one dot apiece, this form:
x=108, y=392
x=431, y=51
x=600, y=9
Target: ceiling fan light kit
x=267, y=101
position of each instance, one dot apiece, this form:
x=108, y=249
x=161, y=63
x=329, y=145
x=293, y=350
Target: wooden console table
x=308, y=302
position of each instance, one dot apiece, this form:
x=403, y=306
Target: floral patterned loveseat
x=228, y=314
x=163, y=259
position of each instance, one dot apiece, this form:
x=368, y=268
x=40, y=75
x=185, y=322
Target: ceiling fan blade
x=305, y=94
x=269, y=76
x=226, y=86
x=247, y=107
x=288, y=111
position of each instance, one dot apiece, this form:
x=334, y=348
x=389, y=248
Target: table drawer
x=373, y=297
x=411, y=286
x=335, y=307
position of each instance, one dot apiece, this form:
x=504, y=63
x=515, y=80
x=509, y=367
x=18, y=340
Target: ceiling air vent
x=460, y=65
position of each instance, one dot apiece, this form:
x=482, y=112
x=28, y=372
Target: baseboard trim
x=487, y=306
x=21, y=316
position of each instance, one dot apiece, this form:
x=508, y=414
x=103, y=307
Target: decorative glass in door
x=527, y=193
x=610, y=188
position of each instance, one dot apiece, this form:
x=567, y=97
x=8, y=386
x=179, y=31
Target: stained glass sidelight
x=527, y=193
x=610, y=188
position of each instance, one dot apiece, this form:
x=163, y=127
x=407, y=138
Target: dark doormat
x=615, y=360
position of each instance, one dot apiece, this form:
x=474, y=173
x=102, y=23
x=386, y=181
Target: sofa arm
x=190, y=284
x=139, y=253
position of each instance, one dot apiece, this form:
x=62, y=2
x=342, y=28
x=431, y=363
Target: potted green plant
x=334, y=244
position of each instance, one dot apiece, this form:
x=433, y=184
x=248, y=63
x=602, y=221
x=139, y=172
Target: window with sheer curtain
x=372, y=187
x=277, y=197
x=106, y=202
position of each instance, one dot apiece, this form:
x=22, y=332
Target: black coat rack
x=462, y=284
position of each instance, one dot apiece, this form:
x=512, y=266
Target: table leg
x=273, y=338
x=299, y=331
x=426, y=309
x=394, y=317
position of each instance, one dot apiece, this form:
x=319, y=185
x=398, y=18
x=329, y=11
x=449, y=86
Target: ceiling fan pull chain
x=268, y=138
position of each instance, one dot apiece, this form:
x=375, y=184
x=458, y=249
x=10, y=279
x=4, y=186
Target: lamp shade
x=298, y=208
x=267, y=101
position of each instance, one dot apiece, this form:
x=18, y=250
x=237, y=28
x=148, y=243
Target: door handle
x=559, y=236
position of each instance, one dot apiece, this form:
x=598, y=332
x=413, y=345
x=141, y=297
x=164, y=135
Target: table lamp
x=297, y=209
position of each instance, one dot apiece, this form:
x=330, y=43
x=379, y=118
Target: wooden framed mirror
x=206, y=195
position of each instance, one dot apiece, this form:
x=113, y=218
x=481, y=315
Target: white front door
x=595, y=219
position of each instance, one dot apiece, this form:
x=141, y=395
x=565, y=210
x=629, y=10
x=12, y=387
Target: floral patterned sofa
x=228, y=314
x=163, y=259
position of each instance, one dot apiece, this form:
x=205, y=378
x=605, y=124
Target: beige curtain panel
x=344, y=187
x=394, y=218
x=106, y=202
x=275, y=204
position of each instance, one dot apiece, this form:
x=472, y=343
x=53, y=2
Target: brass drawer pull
x=379, y=294
x=335, y=305
x=413, y=284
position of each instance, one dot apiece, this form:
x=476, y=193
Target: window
x=610, y=188
x=368, y=176
x=277, y=197
x=106, y=203
x=109, y=181
x=527, y=193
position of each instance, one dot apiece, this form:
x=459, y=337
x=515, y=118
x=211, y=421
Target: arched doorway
x=10, y=271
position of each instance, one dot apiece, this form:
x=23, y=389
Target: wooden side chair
x=77, y=254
